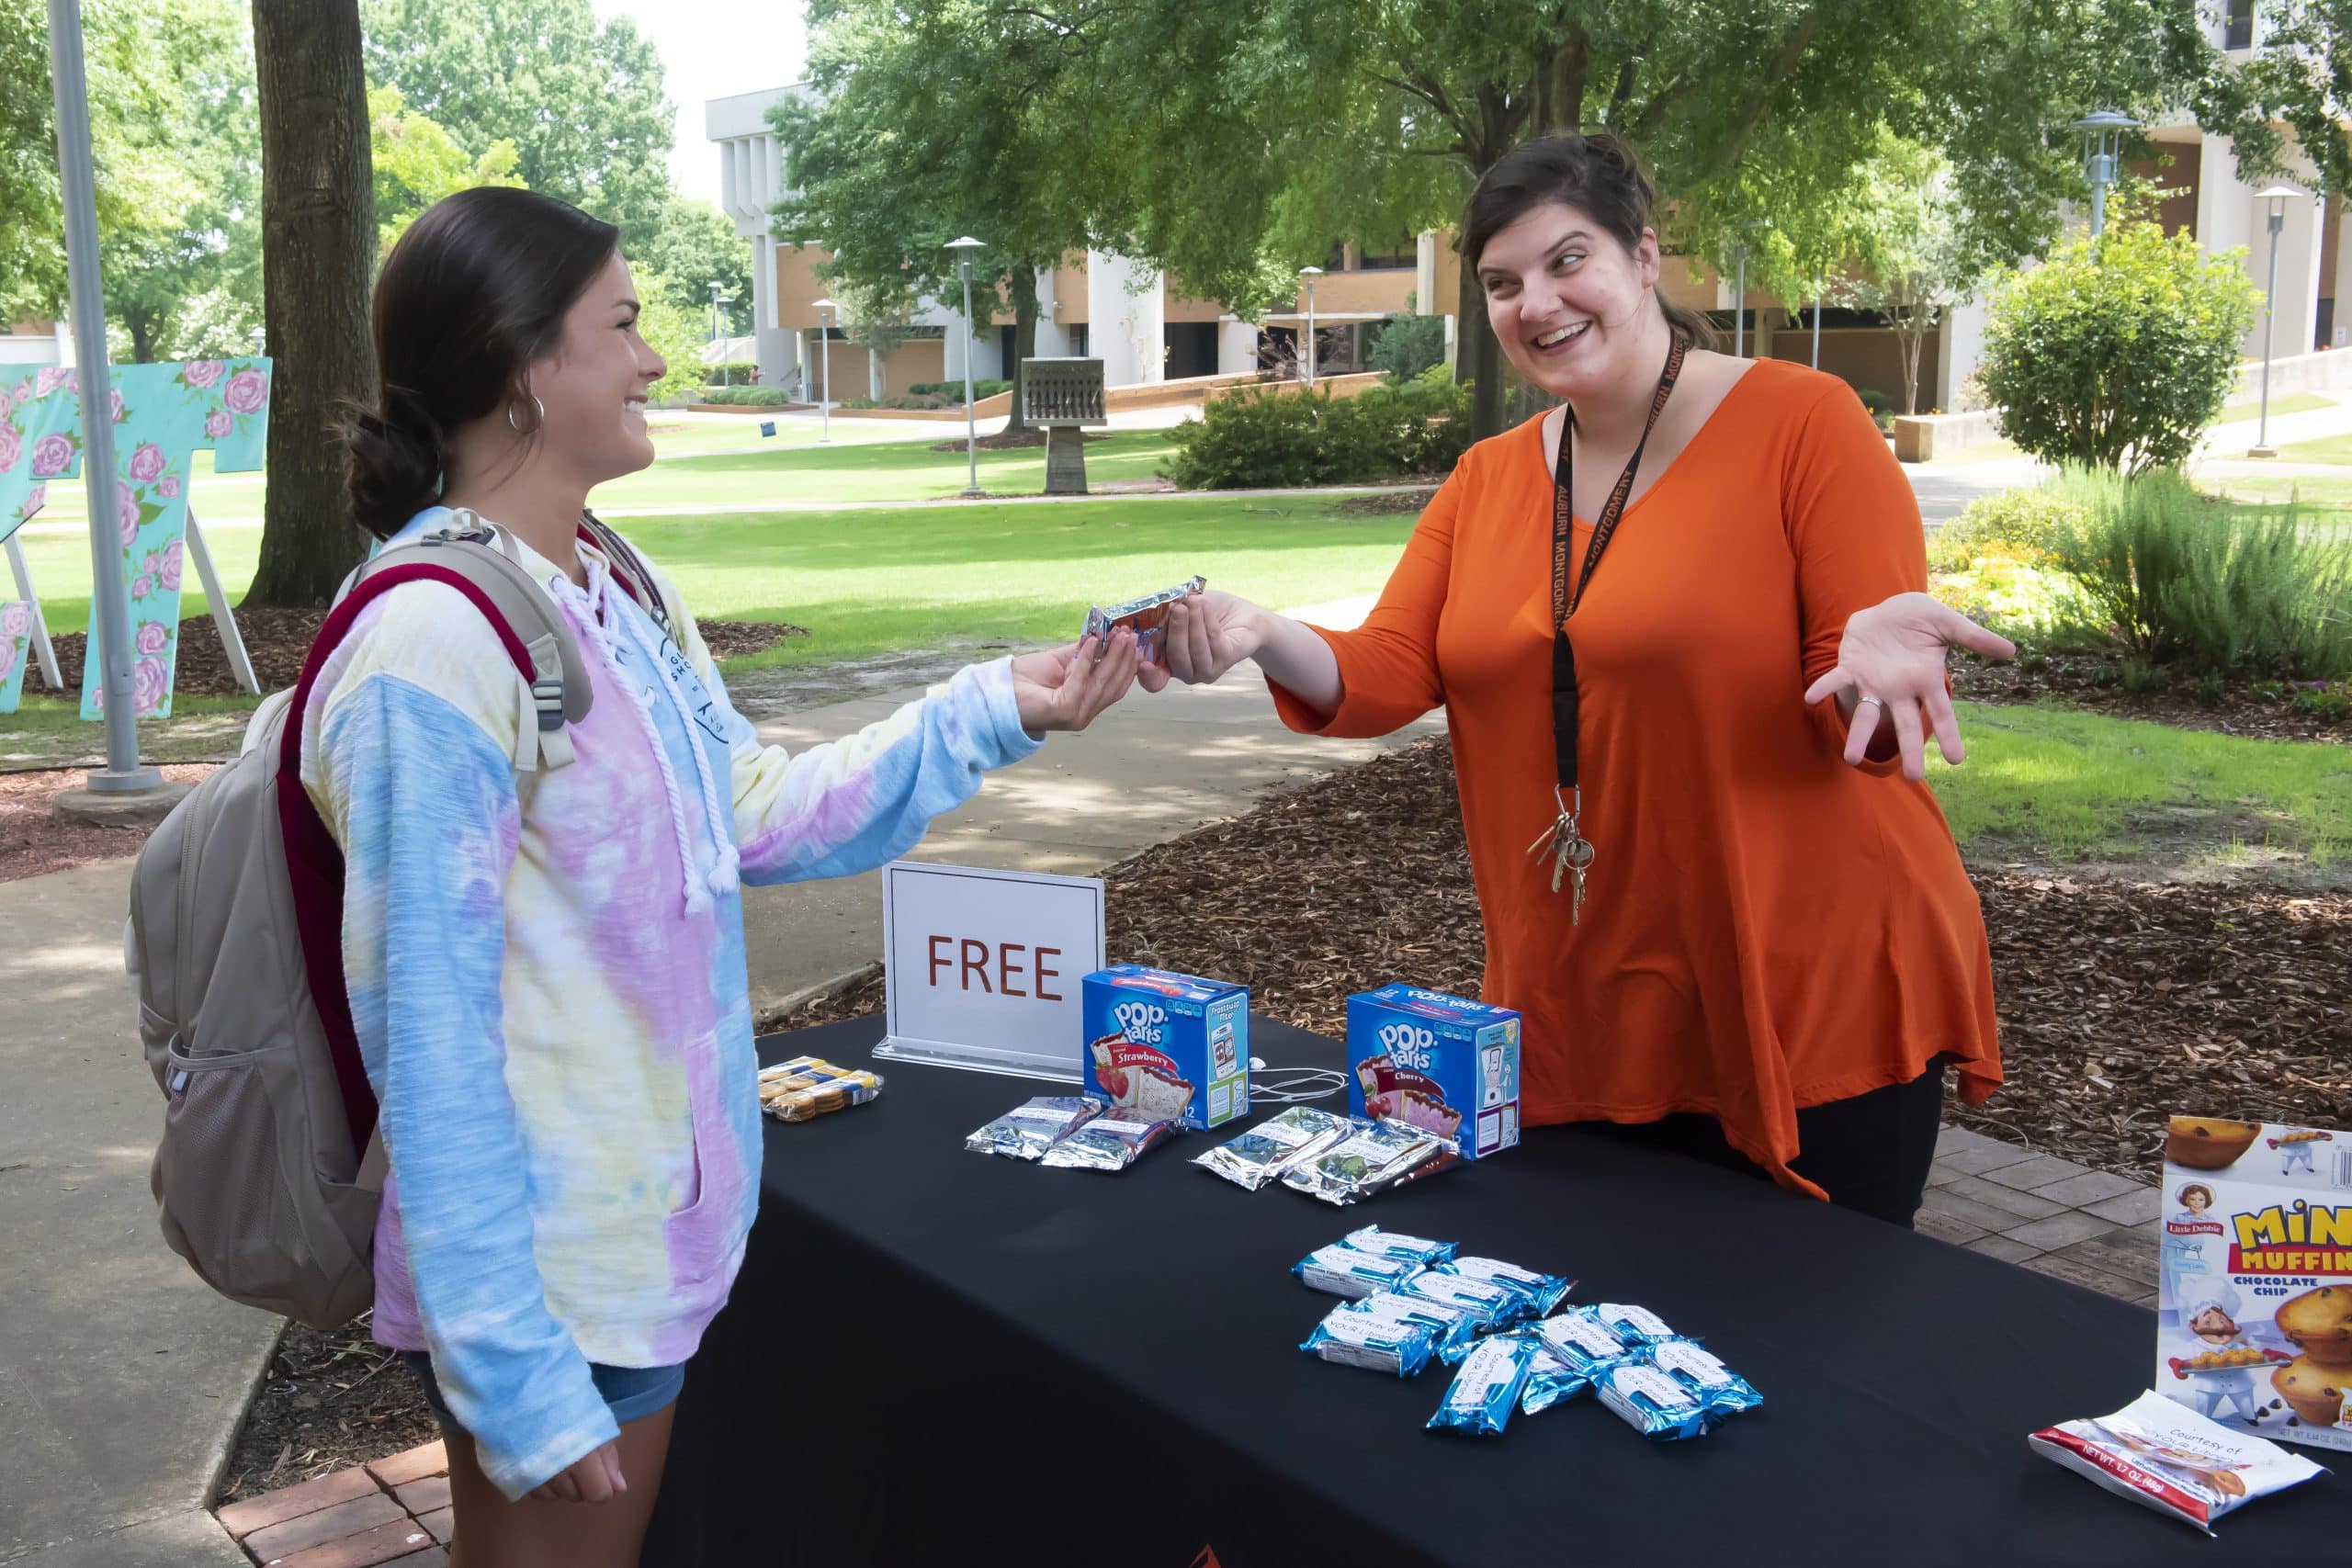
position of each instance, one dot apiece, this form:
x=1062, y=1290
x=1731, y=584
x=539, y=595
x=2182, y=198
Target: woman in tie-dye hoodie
x=546, y=966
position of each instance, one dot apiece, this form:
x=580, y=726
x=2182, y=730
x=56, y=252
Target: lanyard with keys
x=1564, y=842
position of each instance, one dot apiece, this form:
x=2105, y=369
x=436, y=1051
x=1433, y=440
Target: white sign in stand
x=983, y=967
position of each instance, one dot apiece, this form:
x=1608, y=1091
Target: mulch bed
x=1387, y=503
x=34, y=840
x=330, y=1399
x=1010, y=440
x=2119, y=1002
x=2085, y=681
x=278, y=641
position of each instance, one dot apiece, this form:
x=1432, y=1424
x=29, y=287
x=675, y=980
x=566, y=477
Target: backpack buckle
x=547, y=695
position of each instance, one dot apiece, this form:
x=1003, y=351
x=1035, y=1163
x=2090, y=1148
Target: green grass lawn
x=2062, y=784
x=2330, y=498
x=871, y=581
x=2297, y=402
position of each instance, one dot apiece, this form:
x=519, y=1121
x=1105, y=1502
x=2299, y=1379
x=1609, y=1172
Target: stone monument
x=1064, y=396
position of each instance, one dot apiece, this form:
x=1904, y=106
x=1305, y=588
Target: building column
x=1237, y=346
x=1424, y=273
x=1126, y=305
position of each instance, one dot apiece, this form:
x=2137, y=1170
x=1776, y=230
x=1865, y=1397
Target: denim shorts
x=632, y=1392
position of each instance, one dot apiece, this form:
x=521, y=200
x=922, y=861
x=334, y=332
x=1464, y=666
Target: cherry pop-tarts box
x=1164, y=1046
x=2254, y=1306
x=1445, y=1063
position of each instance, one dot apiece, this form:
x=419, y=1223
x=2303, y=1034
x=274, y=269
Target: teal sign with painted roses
x=163, y=413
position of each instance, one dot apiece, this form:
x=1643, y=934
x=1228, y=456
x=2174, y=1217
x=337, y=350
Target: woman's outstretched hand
x=1206, y=634
x=1891, y=662
x=1068, y=688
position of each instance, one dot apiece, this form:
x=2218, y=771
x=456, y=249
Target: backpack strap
x=630, y=572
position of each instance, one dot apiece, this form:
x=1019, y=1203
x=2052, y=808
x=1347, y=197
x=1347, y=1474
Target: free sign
x=982, y=967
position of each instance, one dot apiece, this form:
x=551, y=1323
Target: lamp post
x=719, y=336
x=1310, y=274
x=1820, y=286
x=964, y=248
x=2278, y=197
x=1739, y=301
x=825, y=309
x=2102, y=156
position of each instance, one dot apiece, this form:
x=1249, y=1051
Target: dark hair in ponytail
x=471, y=295
x=1599, y=174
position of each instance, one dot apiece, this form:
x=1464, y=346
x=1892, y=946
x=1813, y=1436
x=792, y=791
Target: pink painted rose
x=25, y=393
x=73, y=382
x=126, y=513
x=51, y=454
x=142, y=586
x=114, y=402
x=167, y=570
x=48, y=378
x=16, y=619
x=246, y=392
x=147, y=463
x=218, y=423
x=152, y=638
x=170, y=487
x=8, y=659
x=150, y=683
x=11, y=444
x=36, y=499
x=203, y=373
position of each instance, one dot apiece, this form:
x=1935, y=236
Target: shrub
x=985, y=387
x=1404, y=346
x=1259, y=439
x=734, y=373
x=756, y=397
x=2185, y=578
x=2019, y=524
x=2116, y=351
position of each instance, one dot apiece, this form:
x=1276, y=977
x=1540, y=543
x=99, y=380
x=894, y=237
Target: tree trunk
x=1023, y=282
x=1478, y=358
x=142, y=328
x=318, y=235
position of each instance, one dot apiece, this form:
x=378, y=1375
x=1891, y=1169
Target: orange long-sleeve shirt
x=1766, y=927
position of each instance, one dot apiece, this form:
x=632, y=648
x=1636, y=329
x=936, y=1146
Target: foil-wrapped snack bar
x=1107, y=1142
x=1028, y=1130
x=1147, y=617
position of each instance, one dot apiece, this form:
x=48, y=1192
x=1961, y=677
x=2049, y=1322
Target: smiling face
x=595, y=385
x=1574, y=311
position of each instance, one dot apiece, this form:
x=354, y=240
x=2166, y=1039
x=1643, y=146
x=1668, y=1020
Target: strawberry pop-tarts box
x=1444, y=1064
x=1164, y=1046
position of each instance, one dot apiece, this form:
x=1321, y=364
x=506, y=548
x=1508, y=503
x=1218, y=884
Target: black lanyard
x=1567, y=842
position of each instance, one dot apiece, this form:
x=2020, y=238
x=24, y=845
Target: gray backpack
x=271, y=1171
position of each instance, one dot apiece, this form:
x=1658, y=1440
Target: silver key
x=1577, y=855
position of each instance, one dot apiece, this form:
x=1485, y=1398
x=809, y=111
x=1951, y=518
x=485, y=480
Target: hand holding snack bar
x=1069, y=687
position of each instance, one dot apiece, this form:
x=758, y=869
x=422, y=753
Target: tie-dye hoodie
x=547, y=976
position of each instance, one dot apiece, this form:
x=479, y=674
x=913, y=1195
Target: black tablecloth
x=936, y=1356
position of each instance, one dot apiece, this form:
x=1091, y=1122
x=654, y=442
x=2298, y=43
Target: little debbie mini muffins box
x=1444, y=1064
x=2254, y=1307
x=1164, y=1046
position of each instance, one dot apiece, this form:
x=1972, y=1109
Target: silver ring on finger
x=1880, y=701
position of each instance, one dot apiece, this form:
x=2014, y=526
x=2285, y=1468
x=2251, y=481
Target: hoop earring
x=538, y=423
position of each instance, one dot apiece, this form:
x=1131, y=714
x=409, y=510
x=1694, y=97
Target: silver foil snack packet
x=1147, y=617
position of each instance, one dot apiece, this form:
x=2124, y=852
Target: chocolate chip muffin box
x=2254, y=1312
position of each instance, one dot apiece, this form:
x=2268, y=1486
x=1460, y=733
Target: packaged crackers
x=806, y=1087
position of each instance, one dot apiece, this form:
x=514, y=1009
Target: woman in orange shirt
x=1777, y=950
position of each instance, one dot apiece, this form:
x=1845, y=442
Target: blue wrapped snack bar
x=1486, y=1388
x=1457, y=1329
x=1374, y=1334
x=1635, y=1326
x=1575, y=1348
x=1343, y=1271
x=1395, y=1244
x=1721, y=1390
x=1538, y=1293
x=1651, y=1402
x=1491, y=1305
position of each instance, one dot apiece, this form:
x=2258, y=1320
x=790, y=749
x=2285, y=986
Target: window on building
x=1403, y=251
x=2239, y=29
x=1076, y=332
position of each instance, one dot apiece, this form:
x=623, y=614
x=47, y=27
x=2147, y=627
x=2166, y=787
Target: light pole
x=124, y=774
x=719, y=336
x=2102, y=156
x=1739, y=301
x=964, y=248
x=825, y=309
x=1820, y=286
x=1310, y=274
x=2278, y=197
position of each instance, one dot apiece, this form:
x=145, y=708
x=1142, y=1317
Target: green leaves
x=2116, y=351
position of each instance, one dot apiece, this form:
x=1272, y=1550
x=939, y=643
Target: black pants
x=1871, y=1153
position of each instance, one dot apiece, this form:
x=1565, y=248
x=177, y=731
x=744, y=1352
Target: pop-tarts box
x=2254, y=1304
x=1164, y=1046
x=1445, y=1063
